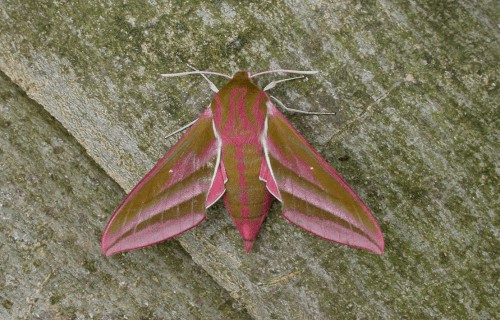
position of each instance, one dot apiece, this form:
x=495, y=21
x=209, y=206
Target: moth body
x=239, y=114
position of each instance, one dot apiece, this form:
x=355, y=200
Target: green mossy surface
x=415, y=89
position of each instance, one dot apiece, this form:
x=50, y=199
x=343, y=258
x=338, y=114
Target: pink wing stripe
x=317, y=188
x=319, y=199
x=266, y=176
x=299, y=166
x=323, y=228
x=154, y=233
x=274, y=112
x=223, y=171
x=171, y=198
x=217, y=189
x=158, y=166
x=189, y=164
x=163, y=204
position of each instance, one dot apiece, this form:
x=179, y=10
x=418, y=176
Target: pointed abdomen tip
x=248, y=245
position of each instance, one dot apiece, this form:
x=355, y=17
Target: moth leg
x=181, y=129
x=203, y=73
x=213, y=87
x=299, y=111
x=272, y=84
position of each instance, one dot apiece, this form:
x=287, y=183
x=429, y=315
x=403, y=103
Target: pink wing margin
x=172, y=198
x=314, y=196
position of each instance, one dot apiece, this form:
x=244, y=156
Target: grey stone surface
x=415, y=88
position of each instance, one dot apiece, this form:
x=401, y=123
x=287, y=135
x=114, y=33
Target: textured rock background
x=83, y=116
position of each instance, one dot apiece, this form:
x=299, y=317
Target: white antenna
x=285, y=71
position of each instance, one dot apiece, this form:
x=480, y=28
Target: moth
x=244, y=150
